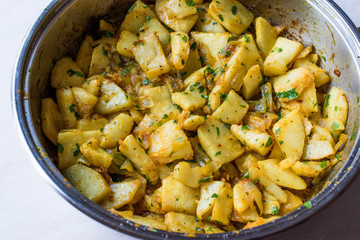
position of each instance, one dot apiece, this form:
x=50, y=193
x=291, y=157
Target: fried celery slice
x=291, y=204
x=192, y=97
x=256, y=175
x=309, y=168
x=87, y=181
x=271, y=204
x=306, y=103
x=290, y=85
x=210, y=228
x=51, y=120
x=246, y=194
x=122, y=194
x=136, y=16
x=318, y=149
x=100, y=60
x=265, y=35
x=112, y=99
x=223, y=206
x=283, y=52
x=252, y=82
x=118, y=128
x=321, y=77
x=150, y=55
x=154, y=25
x=163, y=107
x=191, y=177
x=67, y=107
x=234, y=16
x=192, y=123
x=95, y=122
x=83, y=57
x=153, y=221
x=131, y=149
x=259, y=141
x=176, y=17
x=69, y=142
x=336, y=105
x=210, y=44
x=125, y=44
x=205, y=23
x=169, y=143
x=283, y=177
x=184, y=223
x=334, y=125
x=234, y=71
x=290, y=136
x=193, y=62
x=66, y=73
x=218, y=142
x=232, y=110
x=209, y=191
x=93, y=84
x=85, y=101
x=177, y=197
x=180, y=49
x=95, y=154
x=245, y=161
x=320, y=133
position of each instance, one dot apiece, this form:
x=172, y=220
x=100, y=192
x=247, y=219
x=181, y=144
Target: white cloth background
x=29, y=207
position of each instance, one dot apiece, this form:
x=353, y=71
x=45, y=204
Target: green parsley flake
x=291, y=94
x=275, y=210
x=233, y=10
x=217, y=154
x=308, y=205
x=327, y=100
x=214, y=195
x=246, y=175
x=165, y=116
x=146, y=81
x=323, y=164
x=76, y=150
x=247, y=38
x=77, y=73
x=193, y=46
x=221, y=17
x=60, y=147
x=190, y=2
x=269, y=142
x=184, y=39
x=204, y=180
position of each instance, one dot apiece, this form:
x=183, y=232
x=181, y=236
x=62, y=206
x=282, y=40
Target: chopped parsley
x=247, y=38
x=218, y=131
x=193, y=46
x=308, y=205
x=246, y=175
x=335, y=126
x=107, y=34
x=323, y=164
x=269, y=142
x=214, y=195
x=280, y=49
x=221, y=17
x=281, y=142
x=76, y=150
x=233, y=10
x=60, y=147
x=184, y=39
x=217, y=154
x=275, y=210
x=165, y=116
x=146, y=81
x=190, y=2
x=246, y=127
x=204, y=180
x=327, y=100
x=73, y=72
x=291, y=94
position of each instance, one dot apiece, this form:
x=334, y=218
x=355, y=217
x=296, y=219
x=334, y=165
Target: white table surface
x=29, y=207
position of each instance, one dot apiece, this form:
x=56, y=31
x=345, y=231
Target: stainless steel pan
x=59, y=30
